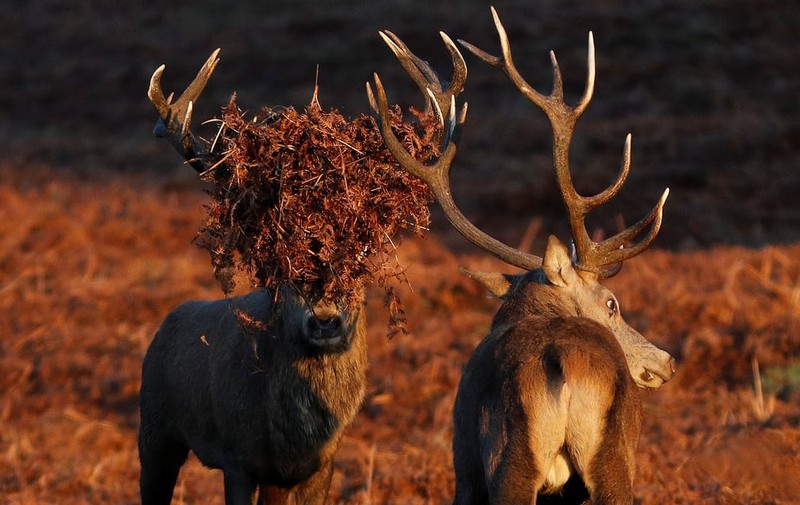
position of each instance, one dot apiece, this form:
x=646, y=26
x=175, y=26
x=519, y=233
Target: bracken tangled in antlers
x=311, y=198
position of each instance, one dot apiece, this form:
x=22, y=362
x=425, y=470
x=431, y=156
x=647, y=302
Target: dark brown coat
x=547, y=396
x=267, y=406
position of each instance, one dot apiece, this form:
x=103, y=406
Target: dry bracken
x=312, y=199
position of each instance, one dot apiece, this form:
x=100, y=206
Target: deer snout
x=327, y=333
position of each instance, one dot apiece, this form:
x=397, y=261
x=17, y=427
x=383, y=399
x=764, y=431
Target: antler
x=175, y=118
x=429, y=83
x=604, y=258
x=442, y=98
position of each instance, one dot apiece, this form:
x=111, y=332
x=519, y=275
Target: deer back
x=539, y=400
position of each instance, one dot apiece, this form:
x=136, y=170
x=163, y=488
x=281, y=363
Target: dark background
x=708, y=89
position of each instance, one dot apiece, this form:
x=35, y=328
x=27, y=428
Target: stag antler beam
x=437, y=175
x=603, y=258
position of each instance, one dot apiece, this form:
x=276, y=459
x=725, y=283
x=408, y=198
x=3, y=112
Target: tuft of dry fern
x=314, y=200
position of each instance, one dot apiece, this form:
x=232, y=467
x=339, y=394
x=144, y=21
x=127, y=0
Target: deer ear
x=498, y=284
x=557, y=264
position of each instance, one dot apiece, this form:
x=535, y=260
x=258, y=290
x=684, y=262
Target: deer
x=548, y=405
x=267, y=402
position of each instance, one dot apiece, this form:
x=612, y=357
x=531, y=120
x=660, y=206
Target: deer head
x=574, y=278
x=325, y=324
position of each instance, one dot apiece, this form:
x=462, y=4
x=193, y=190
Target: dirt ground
x=97, y=220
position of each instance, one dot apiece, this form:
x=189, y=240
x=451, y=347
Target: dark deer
x=266, y=401
x=551, y=392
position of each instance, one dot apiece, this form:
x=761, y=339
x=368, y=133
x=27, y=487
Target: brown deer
x=551, y=392
x=266, y=404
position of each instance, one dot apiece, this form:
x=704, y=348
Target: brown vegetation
x=91, y=262
x=310, y=198
x=90, y=269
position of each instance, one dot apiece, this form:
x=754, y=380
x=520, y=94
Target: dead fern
x=313, y=199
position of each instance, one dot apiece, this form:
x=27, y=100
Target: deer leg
x=240, y=488
x=470, y=472
x=161, y=462
x=470, y=484
x=609, y=481
x=610, y=471
x=314, y=490
x=609, y=477
x=518, y=478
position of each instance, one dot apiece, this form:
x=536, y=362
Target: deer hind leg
x=531, y=460
x=609, y=477
x=602, y=439
x=610, y=474
x=517, y=478
x=470, y=479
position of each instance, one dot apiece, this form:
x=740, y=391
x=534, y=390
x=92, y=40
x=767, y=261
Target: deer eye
x=613, y=308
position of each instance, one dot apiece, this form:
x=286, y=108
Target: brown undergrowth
x=89, y=269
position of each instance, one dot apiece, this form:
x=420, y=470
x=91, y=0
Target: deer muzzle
x=327, y=329
x=325, y=332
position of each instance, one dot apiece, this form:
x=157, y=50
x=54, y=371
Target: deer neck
x=534, y=296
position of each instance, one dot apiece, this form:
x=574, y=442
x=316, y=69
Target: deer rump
x=537, y=407
x=266, y=406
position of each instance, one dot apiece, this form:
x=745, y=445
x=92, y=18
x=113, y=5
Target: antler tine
x=591, y=71
x=175, y=117
x=578, y=206
x=435, y=89
x=612, y=190
x=506, y=64
x=154, y=92
x=437, y=174
x=613, y=250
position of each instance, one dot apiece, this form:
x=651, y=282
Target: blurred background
x=709, y=91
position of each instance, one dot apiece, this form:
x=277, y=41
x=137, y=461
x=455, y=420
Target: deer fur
x=264, y=397
x=547, y=395
x=549, y=398
x=266, y=405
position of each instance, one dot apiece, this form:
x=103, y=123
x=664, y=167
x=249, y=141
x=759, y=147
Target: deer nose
x=326, y=333
x=323, y=328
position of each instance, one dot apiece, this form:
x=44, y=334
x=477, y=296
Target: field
x=97, y=220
